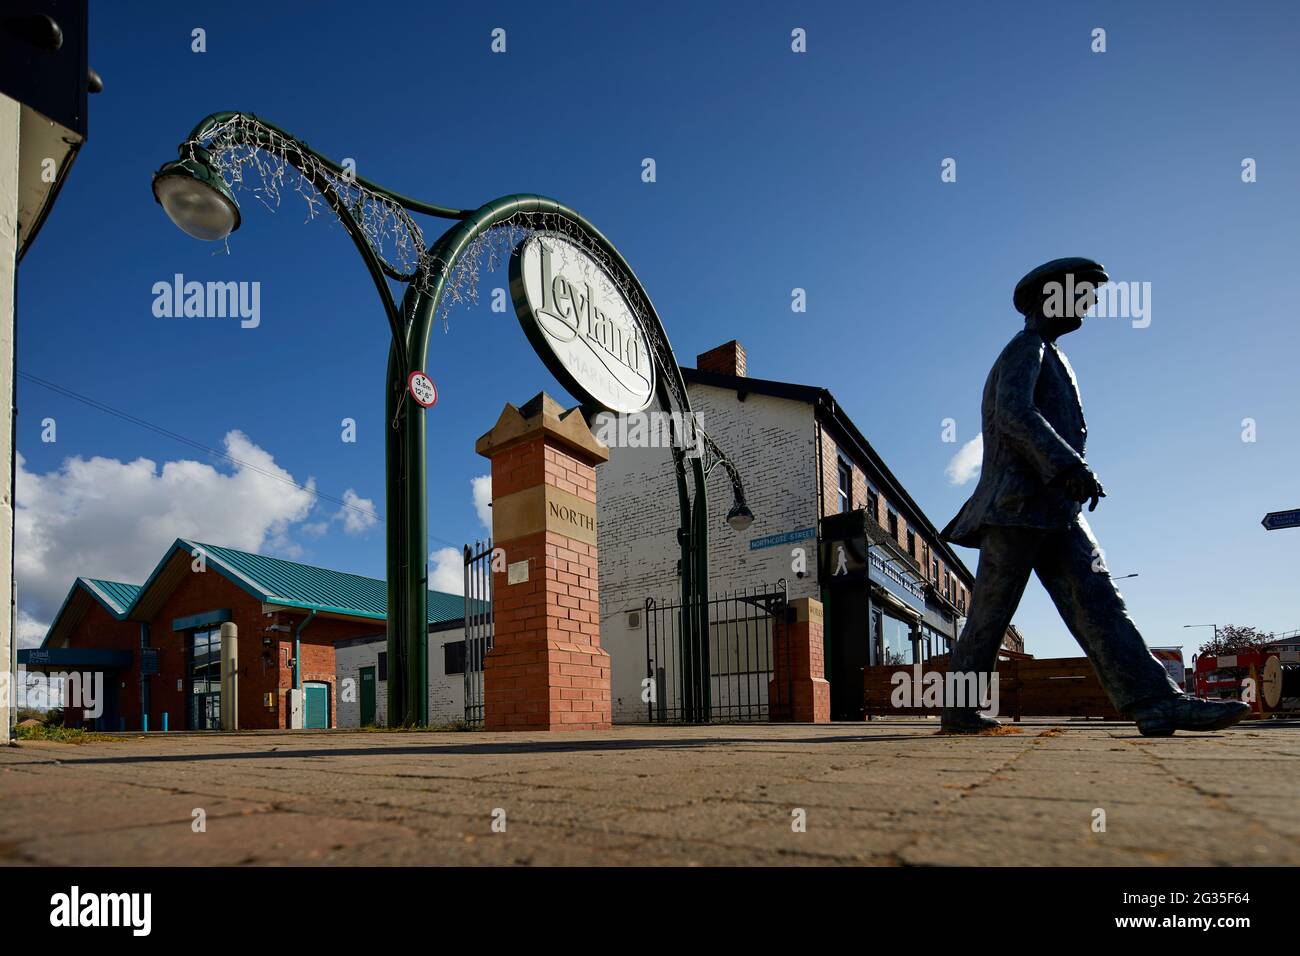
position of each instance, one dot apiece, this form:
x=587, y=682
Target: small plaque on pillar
x=517, y=573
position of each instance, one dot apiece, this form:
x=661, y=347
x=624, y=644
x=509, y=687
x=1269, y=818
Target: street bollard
x=164, y=721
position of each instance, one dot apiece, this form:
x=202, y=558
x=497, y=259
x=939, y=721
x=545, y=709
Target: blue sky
x=774, y=171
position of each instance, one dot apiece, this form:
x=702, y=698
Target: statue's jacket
x=1033, y=432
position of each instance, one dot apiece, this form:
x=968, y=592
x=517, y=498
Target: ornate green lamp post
x=195, y=191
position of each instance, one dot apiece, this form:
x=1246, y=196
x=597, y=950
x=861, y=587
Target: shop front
x=875, y=606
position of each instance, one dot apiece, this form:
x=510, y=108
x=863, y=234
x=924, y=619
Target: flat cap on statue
x=1029, y=291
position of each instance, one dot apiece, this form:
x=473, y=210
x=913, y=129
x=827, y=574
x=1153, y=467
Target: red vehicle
x=1268, y=679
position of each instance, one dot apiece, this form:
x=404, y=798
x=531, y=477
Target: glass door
x=205, y=679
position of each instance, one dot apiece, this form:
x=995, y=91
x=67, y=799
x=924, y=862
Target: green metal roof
x=120, y=596
x=277, y=581
x=270, y=580
x=113, y=596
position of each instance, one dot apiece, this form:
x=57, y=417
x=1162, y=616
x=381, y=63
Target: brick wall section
x=726, y=359
x=519, y=467
x=798, y=691
x=100, y=630
x=200, y=592
x=546, y=669
x=262, y=670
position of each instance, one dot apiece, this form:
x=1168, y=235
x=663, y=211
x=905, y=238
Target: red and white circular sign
x=422, y=389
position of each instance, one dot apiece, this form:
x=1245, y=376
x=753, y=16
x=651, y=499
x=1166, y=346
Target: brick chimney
x=726, y=359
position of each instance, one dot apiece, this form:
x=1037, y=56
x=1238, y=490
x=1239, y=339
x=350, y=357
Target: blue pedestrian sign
x=1276, y=520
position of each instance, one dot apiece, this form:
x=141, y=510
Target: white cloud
x=105, y=518
x=965, y=465
x=448, y=571
x=31, y=631
x=482, y=486
x=357, y=514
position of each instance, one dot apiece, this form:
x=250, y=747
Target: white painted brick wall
x=446, y=691
x=773, y=444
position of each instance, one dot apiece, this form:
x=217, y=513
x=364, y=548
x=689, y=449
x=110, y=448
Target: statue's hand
x=1082, y=485
x=1097, y=492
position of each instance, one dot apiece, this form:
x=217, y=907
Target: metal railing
x=478, y=624
x=725, y=679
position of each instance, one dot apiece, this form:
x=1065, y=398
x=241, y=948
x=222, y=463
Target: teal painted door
x=367, y=696
x=318, y=706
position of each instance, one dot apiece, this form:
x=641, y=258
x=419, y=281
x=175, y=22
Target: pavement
x=885, y=793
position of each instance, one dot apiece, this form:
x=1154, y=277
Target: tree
x=1235, y=639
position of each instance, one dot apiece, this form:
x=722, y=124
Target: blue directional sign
x=1276, y=520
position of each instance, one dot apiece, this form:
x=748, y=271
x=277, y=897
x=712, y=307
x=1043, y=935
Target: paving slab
x=882, y=793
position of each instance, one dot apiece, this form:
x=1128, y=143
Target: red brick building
x=158, y=644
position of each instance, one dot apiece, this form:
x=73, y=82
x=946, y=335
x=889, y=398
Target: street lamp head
x=740, y=517
x=196, y=198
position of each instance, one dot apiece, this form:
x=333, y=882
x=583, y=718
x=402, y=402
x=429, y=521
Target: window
x=846, y=486
x=453, y=656
x=934, y=570
x=896, y=641
x=205, y=679
x=911, y=542
x=932, y=642
x=873, y=506
x=893, y=523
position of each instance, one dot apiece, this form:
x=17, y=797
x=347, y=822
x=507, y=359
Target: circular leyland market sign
x=422, y=389
x=581, y=324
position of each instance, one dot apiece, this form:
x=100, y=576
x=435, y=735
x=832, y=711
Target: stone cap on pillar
x=543, y=415
x=806, y=609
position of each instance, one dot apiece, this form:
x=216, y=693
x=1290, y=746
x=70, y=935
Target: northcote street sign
x=581, y=323
x=1276, y=520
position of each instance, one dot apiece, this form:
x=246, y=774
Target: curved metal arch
x=407, y=538
x=411, y=326
x=298, y=155
x=208, y=125
x=447, y=251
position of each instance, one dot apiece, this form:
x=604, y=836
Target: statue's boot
x=1162, y=717
x=965, y=720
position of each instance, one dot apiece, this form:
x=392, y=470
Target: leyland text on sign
x=581, y=324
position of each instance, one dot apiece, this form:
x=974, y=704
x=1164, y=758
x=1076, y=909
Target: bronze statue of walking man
x=1027, y=515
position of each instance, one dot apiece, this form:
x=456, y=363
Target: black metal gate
x=478, y=624
x=726, y=676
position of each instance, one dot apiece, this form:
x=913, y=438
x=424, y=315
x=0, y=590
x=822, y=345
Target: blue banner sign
x=772, y=540
x=1275, y=520
x=896, y=583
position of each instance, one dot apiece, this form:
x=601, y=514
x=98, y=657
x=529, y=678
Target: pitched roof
x=277, y=581
x=114, y=595
x=270, y=580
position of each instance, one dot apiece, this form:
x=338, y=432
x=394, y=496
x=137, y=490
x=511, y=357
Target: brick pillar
x=546, y=669
x=798, y=690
